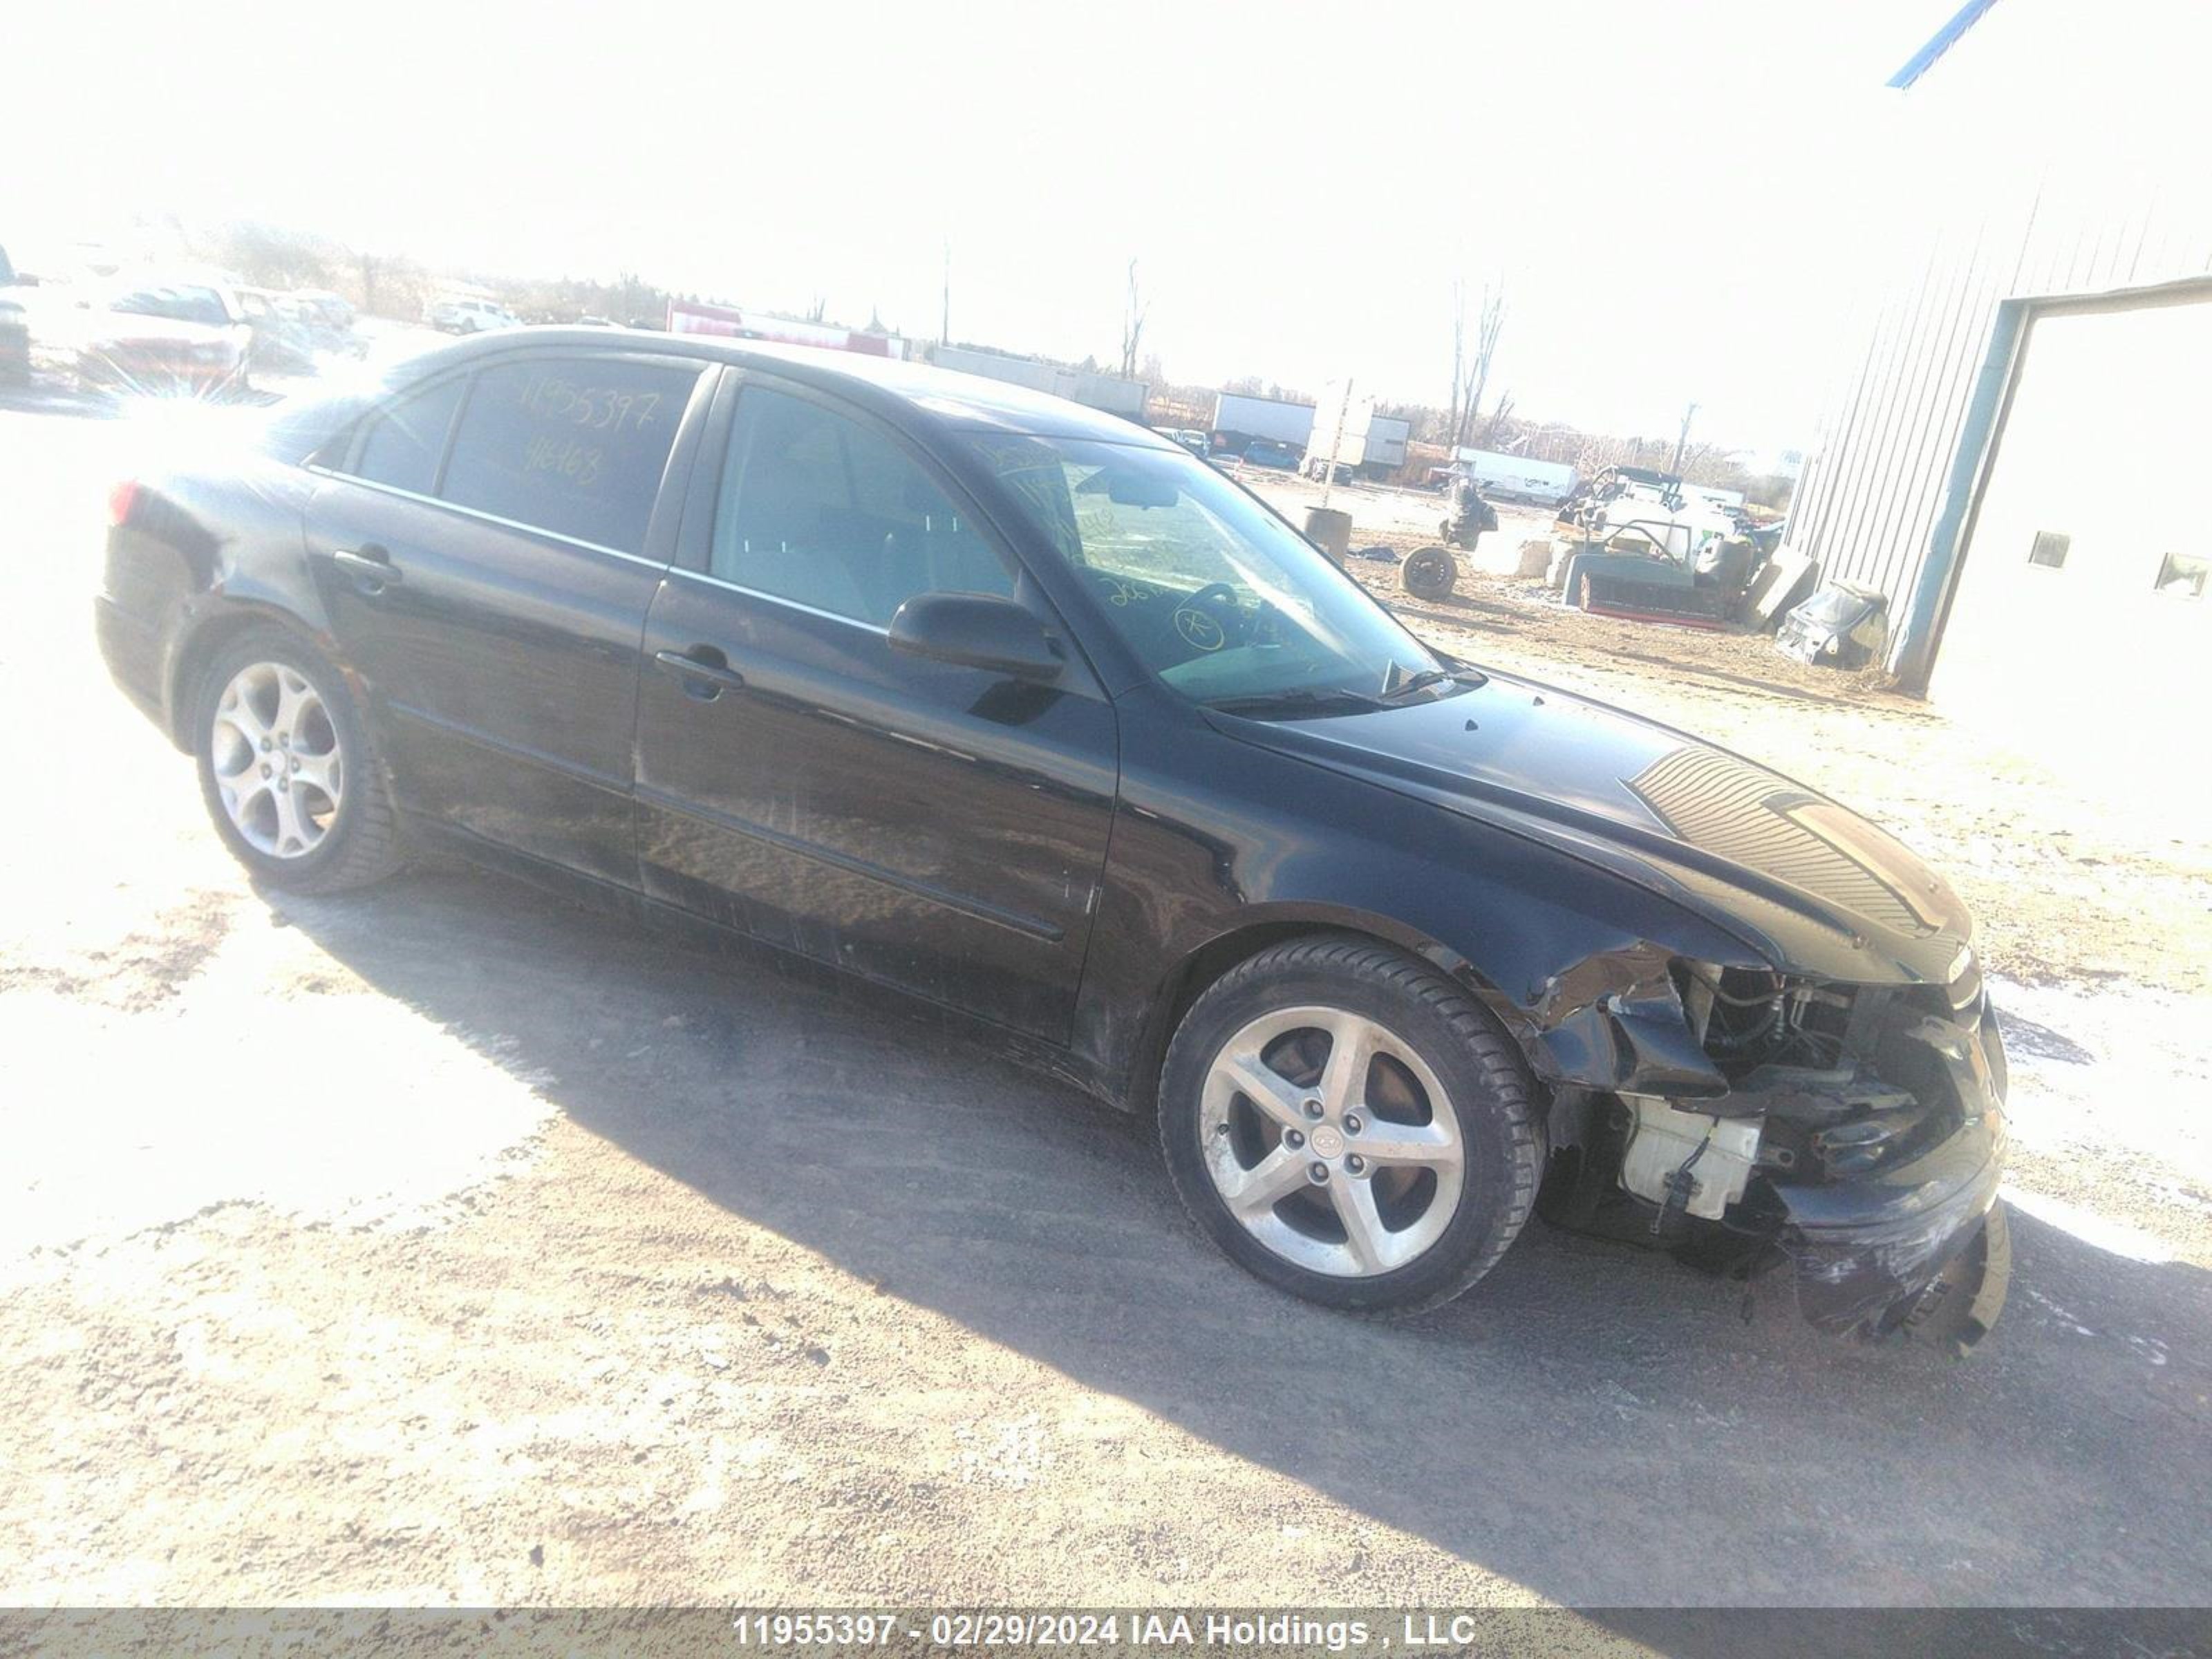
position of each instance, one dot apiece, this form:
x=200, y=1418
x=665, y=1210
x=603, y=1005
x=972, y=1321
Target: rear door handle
x=703, y=672
x=371, y=569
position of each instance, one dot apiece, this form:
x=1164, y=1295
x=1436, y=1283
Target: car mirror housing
x=977, y=631
x=1133, y=488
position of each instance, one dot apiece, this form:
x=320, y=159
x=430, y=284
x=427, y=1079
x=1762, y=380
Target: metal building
x=1083, y=385
x=2014, y=452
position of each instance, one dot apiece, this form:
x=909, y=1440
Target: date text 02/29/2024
x=1335, y=1632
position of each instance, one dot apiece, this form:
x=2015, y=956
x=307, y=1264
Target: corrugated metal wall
x=2021, y=172
x=1107, y=392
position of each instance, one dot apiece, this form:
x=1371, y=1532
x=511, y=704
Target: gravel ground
x=445, y=1244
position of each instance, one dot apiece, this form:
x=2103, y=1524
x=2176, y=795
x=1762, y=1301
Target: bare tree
x=1682, y=442
x=1133, y=327
x=1459, y=356
x=1467, y=396
x=1496, y=423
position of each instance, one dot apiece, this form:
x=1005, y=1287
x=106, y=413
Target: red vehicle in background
x=164, y=337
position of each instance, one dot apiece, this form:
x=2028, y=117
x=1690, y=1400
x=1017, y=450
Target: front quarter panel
x=1216, y=838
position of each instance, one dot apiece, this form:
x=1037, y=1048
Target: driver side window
x=827, y=512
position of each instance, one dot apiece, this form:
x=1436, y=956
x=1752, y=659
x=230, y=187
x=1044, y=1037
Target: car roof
x=945, y=397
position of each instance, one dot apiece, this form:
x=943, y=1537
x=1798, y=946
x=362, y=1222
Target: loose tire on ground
x=1439, y=1234
x=1428, y=572
x=355, y=844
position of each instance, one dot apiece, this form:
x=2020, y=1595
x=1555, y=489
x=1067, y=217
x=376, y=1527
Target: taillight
x=121, y=498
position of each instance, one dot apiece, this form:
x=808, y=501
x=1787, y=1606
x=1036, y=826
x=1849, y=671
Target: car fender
x=178, y=582
x=1219, y=850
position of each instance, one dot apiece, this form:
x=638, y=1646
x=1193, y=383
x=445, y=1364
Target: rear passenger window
x=830, y=513
x=574, y=446
x=403, y=444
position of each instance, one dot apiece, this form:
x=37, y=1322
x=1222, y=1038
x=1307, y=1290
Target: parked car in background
x=1006, y=704
x=326, y=309
x=1266, y=451
x=283, y=341
x=1190, y=438
x=327, y=319
x=1843, y=625
x=464, y=316
x=163, y=336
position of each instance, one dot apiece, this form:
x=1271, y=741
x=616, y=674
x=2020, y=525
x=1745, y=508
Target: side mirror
x=977, y=631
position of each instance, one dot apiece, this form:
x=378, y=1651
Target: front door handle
x=703, y=672
x=371, y=569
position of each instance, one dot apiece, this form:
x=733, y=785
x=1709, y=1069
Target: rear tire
x=289, y=773
x=1339, y=1055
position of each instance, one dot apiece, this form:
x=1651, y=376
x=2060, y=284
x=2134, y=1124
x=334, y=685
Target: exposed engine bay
x=1853, y=1133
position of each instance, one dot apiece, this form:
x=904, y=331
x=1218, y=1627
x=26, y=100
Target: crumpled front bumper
x=1868, y=1252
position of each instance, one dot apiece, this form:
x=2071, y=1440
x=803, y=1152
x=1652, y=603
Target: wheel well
x=199, y=648
x=1191, y=977
x=1198, y=971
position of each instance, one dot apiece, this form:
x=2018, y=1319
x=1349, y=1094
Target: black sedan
x=1023, y=710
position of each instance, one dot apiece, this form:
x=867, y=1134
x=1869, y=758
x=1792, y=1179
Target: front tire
x=289, y=775
x=1350, y=1125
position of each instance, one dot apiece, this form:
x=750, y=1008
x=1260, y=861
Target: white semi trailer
x=1515, y=478
x=1238, y=419
x=1373, y=446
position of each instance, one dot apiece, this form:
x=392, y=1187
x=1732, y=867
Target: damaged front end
x=1856, y=1133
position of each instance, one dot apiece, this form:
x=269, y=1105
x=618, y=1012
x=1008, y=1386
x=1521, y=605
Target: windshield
x=1219, y=598
x=178, y=304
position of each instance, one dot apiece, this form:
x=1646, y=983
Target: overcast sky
x=1675, y=197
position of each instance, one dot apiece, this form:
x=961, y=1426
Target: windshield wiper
x=1427, y=677
x=1297, y=699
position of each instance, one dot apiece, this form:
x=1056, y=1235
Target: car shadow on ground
x=1596, y=1423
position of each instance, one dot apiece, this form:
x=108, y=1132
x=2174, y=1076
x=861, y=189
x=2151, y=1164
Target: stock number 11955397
x=599, y=409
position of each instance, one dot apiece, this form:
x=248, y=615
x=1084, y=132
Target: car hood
x=1810, y=885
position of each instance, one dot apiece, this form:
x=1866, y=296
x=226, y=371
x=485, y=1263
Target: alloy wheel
x=1331, y=1141
x=279, y=767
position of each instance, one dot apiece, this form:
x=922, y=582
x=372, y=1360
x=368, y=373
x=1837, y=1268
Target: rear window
x=574, y=446
x=1835, y=608
x=402, y=445
x=177, y=305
